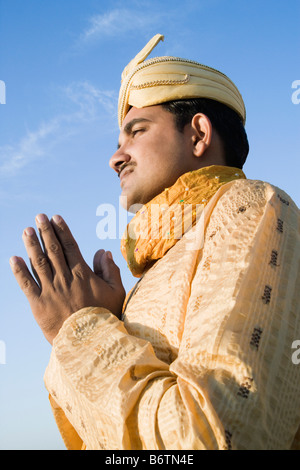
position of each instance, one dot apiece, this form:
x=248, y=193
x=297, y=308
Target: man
x=200, y=354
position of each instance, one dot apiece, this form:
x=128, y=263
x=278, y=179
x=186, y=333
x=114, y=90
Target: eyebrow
x=128, y=128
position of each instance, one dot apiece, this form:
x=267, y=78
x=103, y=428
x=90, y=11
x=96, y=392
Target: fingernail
x=57, y=219
x=41, y=218
x=29, y=231
x=13, y=260
x=109, y=255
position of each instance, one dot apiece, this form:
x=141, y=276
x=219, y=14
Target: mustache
x=123, y=166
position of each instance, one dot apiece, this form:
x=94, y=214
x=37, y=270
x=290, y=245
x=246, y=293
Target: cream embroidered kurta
x=203, y=356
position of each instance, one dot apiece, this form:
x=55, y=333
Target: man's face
x=151, y=154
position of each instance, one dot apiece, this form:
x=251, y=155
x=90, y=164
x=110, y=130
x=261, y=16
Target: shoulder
x=245, y=204
x=245, y=193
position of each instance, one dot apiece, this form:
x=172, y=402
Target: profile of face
x=152, y=153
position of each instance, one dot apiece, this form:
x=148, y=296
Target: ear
x=202, y=134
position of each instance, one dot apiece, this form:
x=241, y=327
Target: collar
x=160, y=223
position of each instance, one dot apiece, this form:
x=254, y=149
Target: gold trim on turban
x=155, y=81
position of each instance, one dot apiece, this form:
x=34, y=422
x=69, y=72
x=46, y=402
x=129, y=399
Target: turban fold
x=155, y=81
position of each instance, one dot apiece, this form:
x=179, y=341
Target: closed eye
x=136, y=131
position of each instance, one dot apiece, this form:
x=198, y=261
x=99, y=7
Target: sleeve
x=234, y=384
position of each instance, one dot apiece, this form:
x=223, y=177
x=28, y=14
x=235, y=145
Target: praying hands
x=62, y=282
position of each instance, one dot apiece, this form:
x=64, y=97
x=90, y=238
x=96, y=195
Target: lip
x=124, y=173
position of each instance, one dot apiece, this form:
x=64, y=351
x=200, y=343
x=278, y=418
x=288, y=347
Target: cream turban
x=161, y=79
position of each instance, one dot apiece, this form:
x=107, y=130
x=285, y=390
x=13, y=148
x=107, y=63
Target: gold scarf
x=160, y=223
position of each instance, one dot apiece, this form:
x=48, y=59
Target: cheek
x=158, y=150
x=159, y=158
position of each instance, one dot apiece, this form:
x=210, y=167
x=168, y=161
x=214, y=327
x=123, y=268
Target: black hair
x=224, y=120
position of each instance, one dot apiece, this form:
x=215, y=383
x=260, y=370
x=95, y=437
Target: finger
x=24, y=278
x=52, y=246
x=68, y=243
x=97, y=263
x=38, y=259
x=110, y=271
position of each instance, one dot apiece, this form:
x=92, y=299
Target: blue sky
x=61, y=62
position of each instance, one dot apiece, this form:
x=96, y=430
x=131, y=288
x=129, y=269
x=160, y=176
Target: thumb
x=105, y=267
x=97, y=263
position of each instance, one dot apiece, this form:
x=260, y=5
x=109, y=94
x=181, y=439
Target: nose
x=118, y=159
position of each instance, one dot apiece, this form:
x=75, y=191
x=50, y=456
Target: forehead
x=151, y=113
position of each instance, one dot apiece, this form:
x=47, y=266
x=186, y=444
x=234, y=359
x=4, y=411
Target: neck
x=158, y=225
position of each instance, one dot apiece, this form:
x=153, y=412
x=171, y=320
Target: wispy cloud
x=88, y=98
x=118, y=22
x=30, y=147
x=35, y=145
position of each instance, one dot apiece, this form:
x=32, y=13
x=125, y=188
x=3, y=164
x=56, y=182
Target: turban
x=155, y=81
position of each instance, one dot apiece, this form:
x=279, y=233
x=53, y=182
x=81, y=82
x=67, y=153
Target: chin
x=129, y=204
